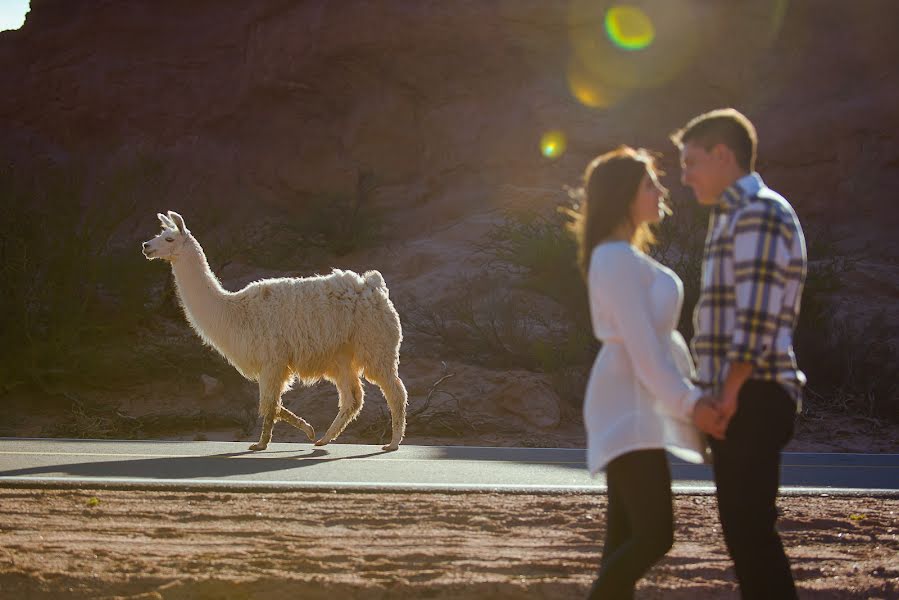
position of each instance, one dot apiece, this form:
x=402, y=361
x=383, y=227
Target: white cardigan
x=639, y=394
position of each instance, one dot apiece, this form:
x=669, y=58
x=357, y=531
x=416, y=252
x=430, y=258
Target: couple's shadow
x=213, y=466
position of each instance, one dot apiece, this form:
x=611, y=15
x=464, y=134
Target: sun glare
x=12, y=13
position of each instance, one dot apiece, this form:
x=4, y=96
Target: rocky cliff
x=430, y=116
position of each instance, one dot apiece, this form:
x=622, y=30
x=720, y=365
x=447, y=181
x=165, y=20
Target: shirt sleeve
x=617, y=286
x=761, y=261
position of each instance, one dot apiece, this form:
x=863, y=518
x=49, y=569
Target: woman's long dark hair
x=611, y=182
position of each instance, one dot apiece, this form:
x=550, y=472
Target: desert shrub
x=315, y=228
x=494, y=327
x=64, y=292
x=851, y=365
x=539, y=251
x=494, y=321
x=342, y=223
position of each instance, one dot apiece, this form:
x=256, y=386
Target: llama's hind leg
x=395, y=393
x=298, y=422
x=271, y=384
x=350, y=398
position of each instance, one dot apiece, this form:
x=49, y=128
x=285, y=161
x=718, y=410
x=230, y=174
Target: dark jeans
x=747, y=476
x=640, y=522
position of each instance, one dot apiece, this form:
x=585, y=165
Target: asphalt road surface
x=180, y=464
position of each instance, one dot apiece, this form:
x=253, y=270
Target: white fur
x=273, y=331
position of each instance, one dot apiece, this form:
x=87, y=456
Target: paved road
x=154, y=464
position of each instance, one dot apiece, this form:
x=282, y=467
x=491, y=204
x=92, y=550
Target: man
x=754, y=266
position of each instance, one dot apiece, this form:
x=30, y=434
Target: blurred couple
x=737, y=405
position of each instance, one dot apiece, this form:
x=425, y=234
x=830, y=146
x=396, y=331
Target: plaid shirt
x=753, y=269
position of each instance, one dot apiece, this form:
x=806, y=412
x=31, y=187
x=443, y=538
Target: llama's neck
x=202, y=296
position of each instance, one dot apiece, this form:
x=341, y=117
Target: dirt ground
x=180, y=545
x=234, y=546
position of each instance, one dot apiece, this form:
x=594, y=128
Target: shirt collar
x=744, y=187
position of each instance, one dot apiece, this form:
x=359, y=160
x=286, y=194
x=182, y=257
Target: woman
x=639, y=400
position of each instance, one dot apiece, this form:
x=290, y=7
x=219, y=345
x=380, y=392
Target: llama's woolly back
x=305, y=319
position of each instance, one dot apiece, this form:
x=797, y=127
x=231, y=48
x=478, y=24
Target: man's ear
x=723, y=154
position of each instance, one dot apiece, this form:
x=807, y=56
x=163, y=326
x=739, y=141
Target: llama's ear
x=166, y=222
x=179, y=221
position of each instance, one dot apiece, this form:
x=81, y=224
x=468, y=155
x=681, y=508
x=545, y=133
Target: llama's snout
x=146, y=249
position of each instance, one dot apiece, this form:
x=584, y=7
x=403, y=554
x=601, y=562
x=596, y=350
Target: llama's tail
x=375, y=282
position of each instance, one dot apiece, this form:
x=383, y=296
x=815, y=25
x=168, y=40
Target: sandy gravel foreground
x=179, y=545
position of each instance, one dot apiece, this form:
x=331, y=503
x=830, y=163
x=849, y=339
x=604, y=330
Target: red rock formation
x=297, y=97
x=439, y=106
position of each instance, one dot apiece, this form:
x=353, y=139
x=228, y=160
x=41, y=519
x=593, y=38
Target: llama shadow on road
x=215, y=466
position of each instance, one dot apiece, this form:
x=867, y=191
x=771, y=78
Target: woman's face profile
x=649, y=202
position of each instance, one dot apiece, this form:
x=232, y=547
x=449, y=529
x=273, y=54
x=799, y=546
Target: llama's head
x=167, y=245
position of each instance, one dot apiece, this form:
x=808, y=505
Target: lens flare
x=618, y=50
x=629, y=28
x=552, y=144
x=589, y=95
x=590, y=90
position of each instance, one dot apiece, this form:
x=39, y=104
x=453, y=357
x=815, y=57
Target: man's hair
x=726, y=126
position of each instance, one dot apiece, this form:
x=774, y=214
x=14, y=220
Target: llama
x=275, y=331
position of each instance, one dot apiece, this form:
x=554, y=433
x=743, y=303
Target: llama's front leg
x=298, y=422
x=270, y=387
x=350, y=397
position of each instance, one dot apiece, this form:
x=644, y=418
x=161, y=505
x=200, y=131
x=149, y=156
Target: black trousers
x=747, y=476
x=640, y=522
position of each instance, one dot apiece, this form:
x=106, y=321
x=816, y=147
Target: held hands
x=727, y=405
x=711, y=415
